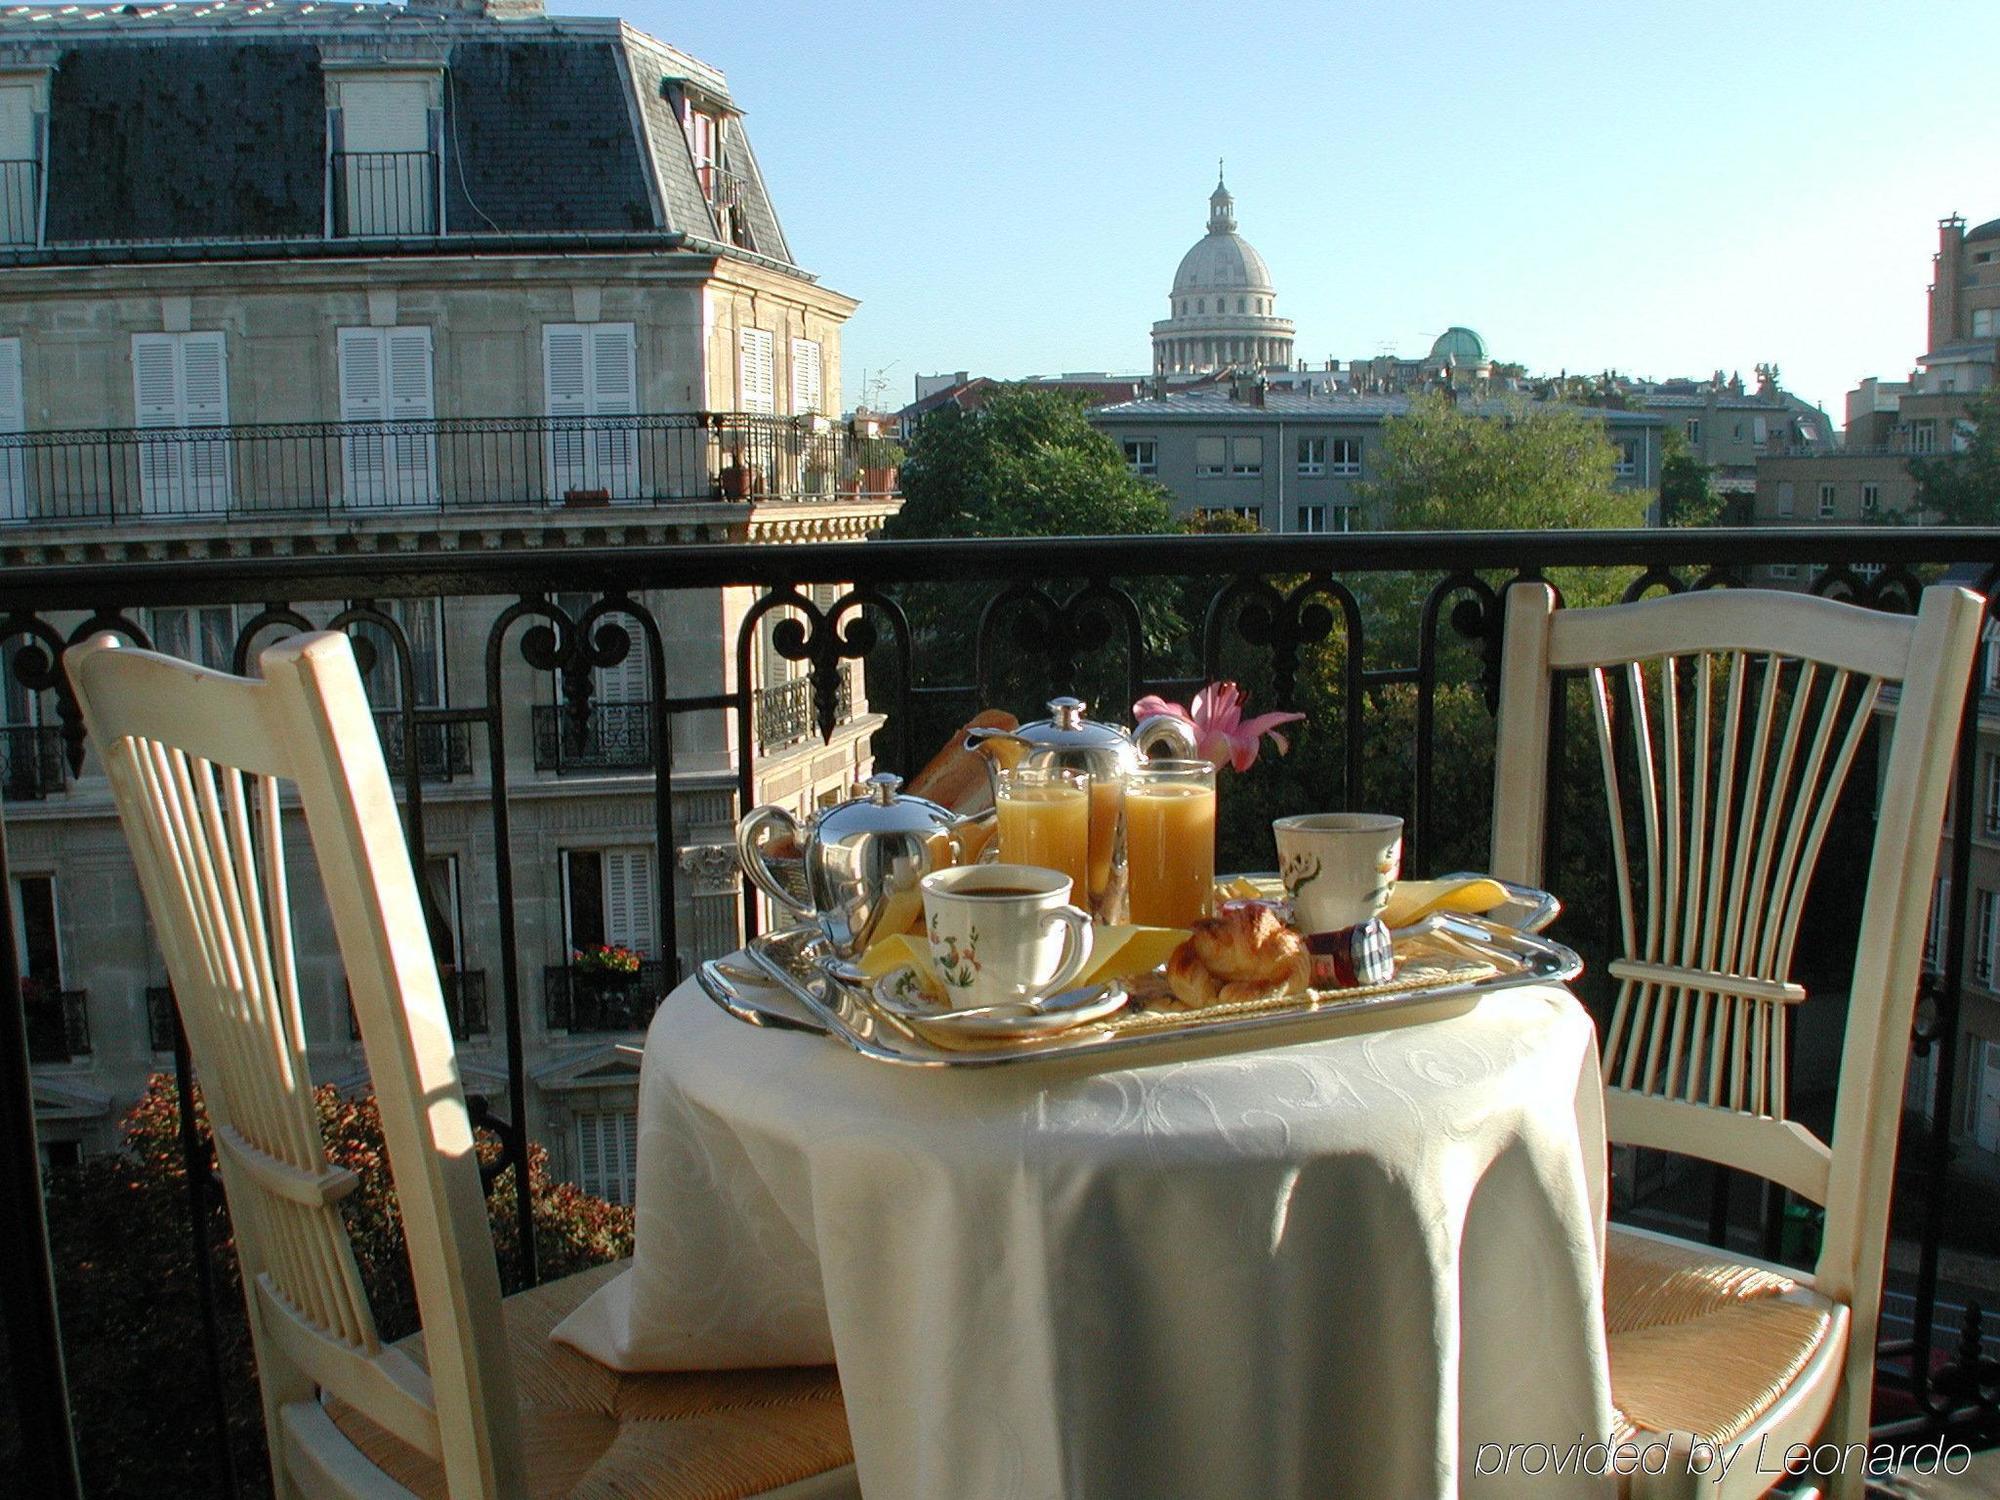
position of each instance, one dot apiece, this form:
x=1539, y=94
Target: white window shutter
x=362, y=399
x=13, y=419
x=640, y=862
x=589, y=1154
x=628, y=899
x=566, y=387
x=614, y=392
x=806, y=383
x=156, y=395
x=630, y=681
x=205, y=398
x=756, y=381
x=413, y=465
x=628, y=1154
x=181, y=380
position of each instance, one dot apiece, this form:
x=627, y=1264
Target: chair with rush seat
x=479, y=1405
x=1727, y=723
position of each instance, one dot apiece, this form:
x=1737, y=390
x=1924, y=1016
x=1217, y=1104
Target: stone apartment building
x=288, y=278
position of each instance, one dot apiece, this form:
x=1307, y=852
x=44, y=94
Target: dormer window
x=21, y=124
x=383, y=177
x=709, y=127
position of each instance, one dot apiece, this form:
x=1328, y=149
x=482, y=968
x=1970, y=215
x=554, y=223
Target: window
x=422, y=624
x=442, y=910
x=1312, y=456
x=608, y=899
x=20, y=166
x=1240, y=305
x=1246, y=457
x=1982, y=322
x=628, y=682
x=1867, y=570
x=385, y=376
x=1628, y=458
x=1760, y=429
x=1935, y=930
x=1871, y=499
x=1210, y=457
x=1736, y=433
x=590, y=370
x=385, y=157
x=1201, y=304
x=755, y=383
x=1347, y=457
x=1923, y=436
x=1784, y=570
x=206, y=635
x=1826, y=499
x=1312, y=518
x=807, y=387
x=1692, y=427
x=180, y=380
x=607, y=1153
x=1142, y=455
x=1785, y=497
x=13, y=413
x=1993, y=794
x=1982, y=937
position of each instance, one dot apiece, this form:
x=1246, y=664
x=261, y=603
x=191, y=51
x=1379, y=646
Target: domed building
x=1460, y=347
x=1219, y=313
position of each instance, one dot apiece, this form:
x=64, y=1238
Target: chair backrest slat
x=197, y=762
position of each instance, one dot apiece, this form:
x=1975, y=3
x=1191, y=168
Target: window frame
x=1311, y=457
x=1142, y=455
x=1239, y=466
x=1203, y=469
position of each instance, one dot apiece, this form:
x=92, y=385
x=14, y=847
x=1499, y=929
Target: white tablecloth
x=1333, y=1267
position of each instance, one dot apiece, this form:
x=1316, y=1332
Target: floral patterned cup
x=1338, y=868
x=1003, y=934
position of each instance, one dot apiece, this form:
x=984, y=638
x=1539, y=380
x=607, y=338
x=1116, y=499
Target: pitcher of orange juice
x=1108, y=756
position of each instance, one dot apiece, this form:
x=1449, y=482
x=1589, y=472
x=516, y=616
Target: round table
x=1346, y=1261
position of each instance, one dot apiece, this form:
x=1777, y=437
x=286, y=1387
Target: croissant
x=1244, y=952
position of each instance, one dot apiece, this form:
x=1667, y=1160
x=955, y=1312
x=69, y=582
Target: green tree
x=1686, y=497
x=1962, y=487
x=1026, y=463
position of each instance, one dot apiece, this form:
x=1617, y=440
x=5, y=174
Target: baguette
x=956, y=777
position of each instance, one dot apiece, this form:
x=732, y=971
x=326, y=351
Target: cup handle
x=1077, y=945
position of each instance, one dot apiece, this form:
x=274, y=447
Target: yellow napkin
x=1413, y=900
x=1118, y=952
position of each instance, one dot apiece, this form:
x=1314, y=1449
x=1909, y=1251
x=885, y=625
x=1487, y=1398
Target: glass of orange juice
x=1045, y=820
x=1170, y=841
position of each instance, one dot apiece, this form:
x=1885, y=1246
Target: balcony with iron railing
x=444, y=751
x=31, y=762
x=579, y=998
x=383, y=194
x=785, y=713
x=58, y=1021
x=1390, y=642
x=20, y=202
x=441, y=467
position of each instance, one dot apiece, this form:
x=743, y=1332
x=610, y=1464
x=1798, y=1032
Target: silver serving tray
x=783, y=986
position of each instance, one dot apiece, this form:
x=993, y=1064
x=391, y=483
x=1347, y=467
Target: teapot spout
x=1157, y=732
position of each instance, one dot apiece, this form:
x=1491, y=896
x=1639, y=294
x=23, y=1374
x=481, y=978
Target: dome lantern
x=1221, y=207
x=1221, y=313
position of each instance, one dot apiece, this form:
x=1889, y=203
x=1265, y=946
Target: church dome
x=1222, y=260
x=1460, y=346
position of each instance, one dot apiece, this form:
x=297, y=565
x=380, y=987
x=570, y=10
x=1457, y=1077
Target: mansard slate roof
x=181, y=125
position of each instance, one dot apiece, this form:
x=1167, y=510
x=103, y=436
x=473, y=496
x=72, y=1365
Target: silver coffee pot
x=862, y=860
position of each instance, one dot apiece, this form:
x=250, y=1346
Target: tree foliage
x=1962, y=487
x=1531, y=467
x=1686, y=497
x=131, y=1314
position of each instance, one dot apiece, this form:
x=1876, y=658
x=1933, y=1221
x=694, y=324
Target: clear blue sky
x=1661, y=189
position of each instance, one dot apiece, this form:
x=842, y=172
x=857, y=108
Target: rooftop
x=1216, y=403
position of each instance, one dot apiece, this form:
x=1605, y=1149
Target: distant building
x=1294, y=461
x=1221, y=312
x=967, y=392
x=1731, y=429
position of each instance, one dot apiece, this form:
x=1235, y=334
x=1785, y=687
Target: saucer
x=903, y=994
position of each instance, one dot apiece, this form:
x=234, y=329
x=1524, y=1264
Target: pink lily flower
x=1221, y=733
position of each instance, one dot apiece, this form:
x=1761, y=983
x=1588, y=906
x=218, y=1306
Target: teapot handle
x=1175, y=733
x=750, y=854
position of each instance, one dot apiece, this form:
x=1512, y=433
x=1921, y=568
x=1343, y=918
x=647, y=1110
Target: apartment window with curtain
x=1142, y=455
x=590, y=370
x=385, y=136
x=608, y=899
x=205, y=635
x=180, y=381
x=385, y=377
x=1211, y=457
x=1246, y=457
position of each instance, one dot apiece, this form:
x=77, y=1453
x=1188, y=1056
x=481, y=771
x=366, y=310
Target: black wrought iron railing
x=602, y=737
x=785, y=714
x=31, y=762
x=58, y=1022
x=160, y=1017
x=579, y=998
x=1390, y=643
x=20, y=202
x=435, y=467
x=383, y=194
x=444, y=751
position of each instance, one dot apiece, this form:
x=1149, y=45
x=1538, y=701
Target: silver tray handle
x=750, y=854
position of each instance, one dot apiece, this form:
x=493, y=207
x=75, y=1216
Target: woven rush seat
x=592, y=1433
x=1701, y=1344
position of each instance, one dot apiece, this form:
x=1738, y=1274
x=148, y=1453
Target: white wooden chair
x=1727, y=723
x=480, y=1403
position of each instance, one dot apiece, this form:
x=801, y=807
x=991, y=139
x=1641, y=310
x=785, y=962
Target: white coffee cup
x=1003, y=934
x=1338, y=868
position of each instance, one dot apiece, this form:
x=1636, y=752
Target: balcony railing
x=580, y=1000
x=31, y=762
x=384, y=194
x=160, y=1017
x=58, y=1022
x=610, y=737
x=785, y=716
x=20, y=202
x=444, y=751
x=438, y=467
x=1401, y=634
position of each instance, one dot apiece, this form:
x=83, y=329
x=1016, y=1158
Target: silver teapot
x=1066, y=740
x=862, y=861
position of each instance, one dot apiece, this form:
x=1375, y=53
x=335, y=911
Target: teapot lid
x=881, y=808
x=1068, y=729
